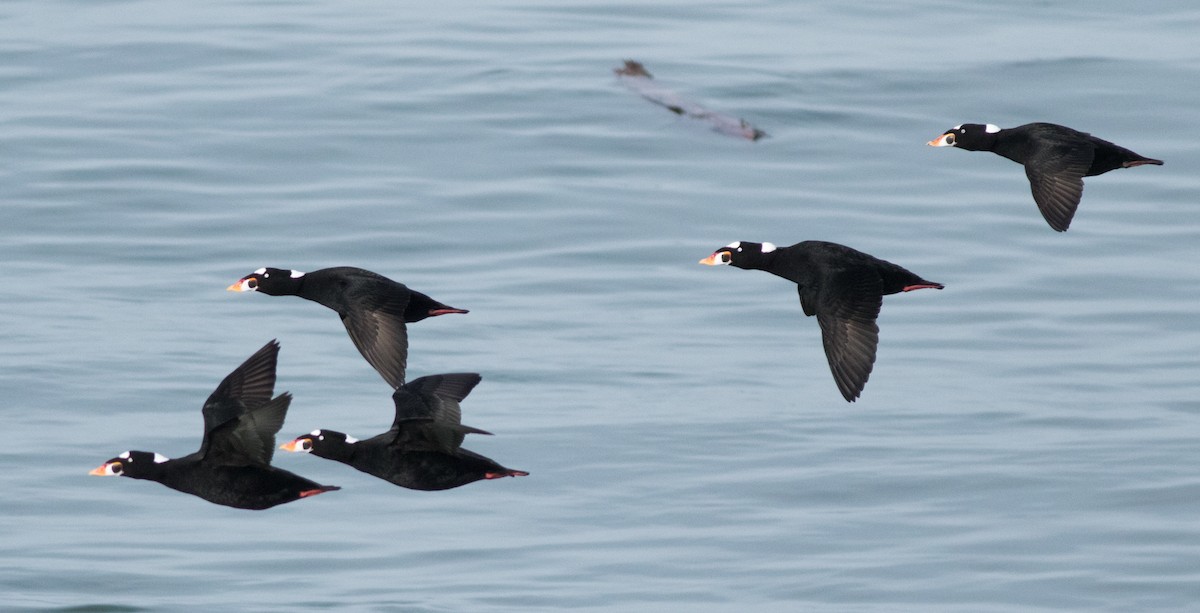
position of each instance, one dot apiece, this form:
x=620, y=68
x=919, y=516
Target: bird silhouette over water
x=843, y=287
x=422, y=450
x=374, y=308
x=1056, y=159
x=233, y=465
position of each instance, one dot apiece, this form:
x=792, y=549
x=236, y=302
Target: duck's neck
x=338, y=452
x=790, y=268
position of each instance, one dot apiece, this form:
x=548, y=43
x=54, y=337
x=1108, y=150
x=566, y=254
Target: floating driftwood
x=637, y=78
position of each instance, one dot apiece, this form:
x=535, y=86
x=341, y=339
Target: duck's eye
x=266, y=275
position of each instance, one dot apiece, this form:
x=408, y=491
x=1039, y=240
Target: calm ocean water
x=1027, y=441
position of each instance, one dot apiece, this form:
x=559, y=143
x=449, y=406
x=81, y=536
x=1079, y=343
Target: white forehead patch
x=296, y=274
x=737, y=245
x=160, y=458
x=261, y=271
x=991, y=128
x=124, y=456
x=958, y=127
x=315, y=433
x=768, y=247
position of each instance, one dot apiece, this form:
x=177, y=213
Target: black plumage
x=422, y=450
x=374, y=308
x=1056, y=159
x=843, y=287
x=232, y=467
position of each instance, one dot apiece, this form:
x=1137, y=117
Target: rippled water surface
x=1027, y=441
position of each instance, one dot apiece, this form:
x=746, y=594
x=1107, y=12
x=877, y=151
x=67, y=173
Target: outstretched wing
x=381, y=336
x=428, y=412
x=248, y=387
x=452, y=387
x=846, y=310
x=1056, y=174
x=250, y=439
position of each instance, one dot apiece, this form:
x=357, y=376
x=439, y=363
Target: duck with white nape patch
x=423, y=449
x=843, y=287
x=374, y=308
x=1056, y=159
x=233, y=466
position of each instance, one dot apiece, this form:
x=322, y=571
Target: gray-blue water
x=1027, y=441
